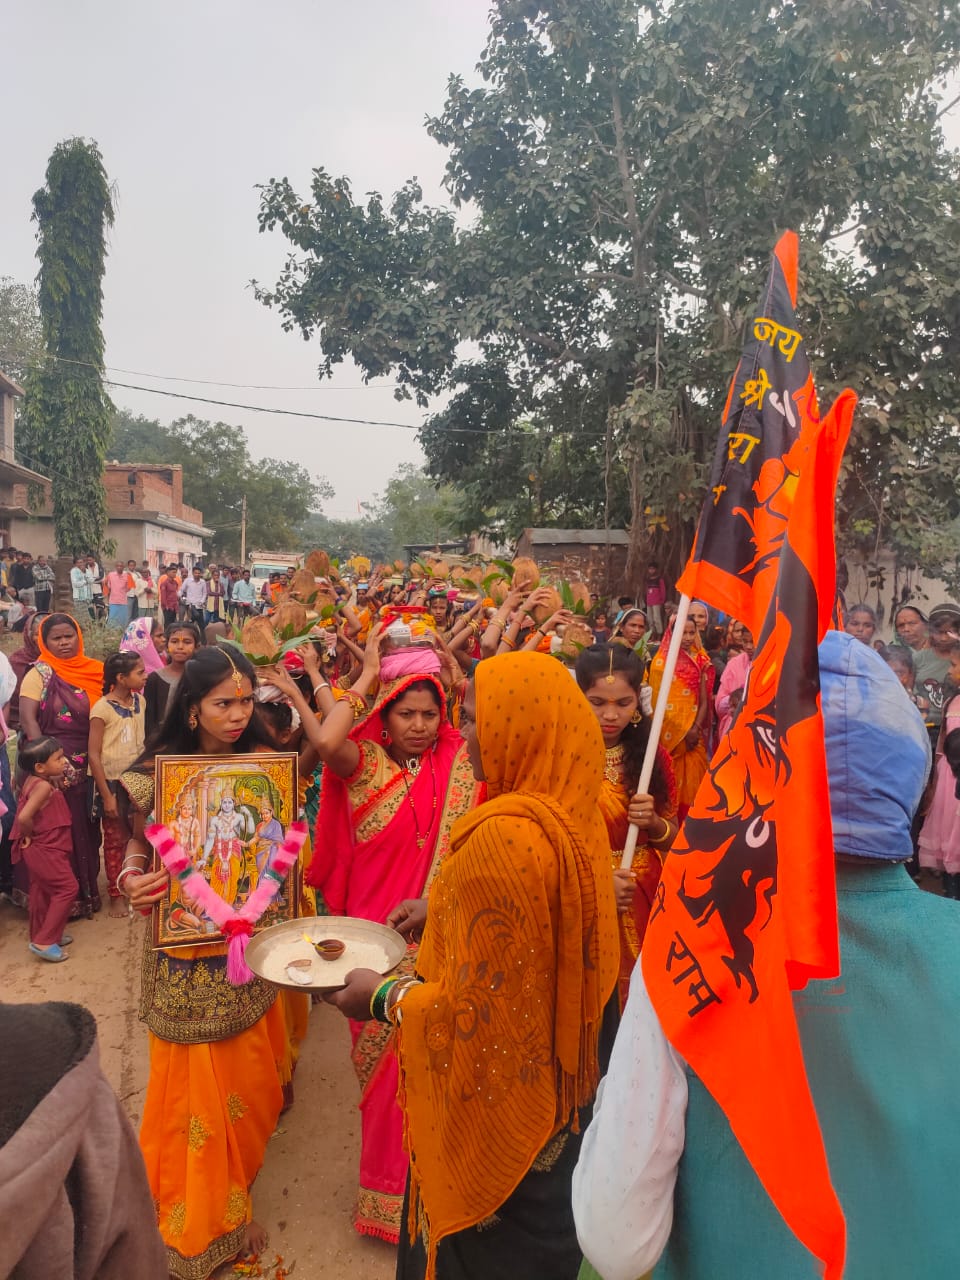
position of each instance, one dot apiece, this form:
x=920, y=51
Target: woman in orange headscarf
x=687, y=721
x=55, y=698
x=497, y=1036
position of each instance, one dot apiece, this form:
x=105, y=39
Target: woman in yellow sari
x=497, y=1037
x=611, y=677
x=687, y=721
x=221, y=1056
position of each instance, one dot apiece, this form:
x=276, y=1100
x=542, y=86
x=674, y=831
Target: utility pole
x=243, y=531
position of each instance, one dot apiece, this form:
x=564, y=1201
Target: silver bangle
x=126, y=871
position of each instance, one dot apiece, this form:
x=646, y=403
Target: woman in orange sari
x=611, y=677
x=392, y=787
x=221, y=1056
x=686, y=724
x=497, y=1037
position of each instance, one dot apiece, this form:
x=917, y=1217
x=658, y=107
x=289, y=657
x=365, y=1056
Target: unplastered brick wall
x=588, y=563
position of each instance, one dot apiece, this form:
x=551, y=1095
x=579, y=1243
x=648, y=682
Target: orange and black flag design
x=746, y=908
x=733, y=564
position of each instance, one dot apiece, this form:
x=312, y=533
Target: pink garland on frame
x=236, y=926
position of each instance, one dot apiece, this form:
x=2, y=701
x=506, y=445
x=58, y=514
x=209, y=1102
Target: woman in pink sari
x=393, y=785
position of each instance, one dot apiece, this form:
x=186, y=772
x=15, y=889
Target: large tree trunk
x=62, y=600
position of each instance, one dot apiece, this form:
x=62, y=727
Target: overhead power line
x=202, y=382
x=288, y=413
x=259, y=408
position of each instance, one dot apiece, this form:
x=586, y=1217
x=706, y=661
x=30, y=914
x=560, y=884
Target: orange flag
x=746, y=908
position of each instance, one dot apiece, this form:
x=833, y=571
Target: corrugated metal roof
x=584, y=537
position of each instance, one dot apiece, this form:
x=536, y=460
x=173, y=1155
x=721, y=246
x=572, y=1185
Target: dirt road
x=305, y=1192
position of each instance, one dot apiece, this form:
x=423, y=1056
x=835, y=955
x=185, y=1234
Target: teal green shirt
x=882, y=1050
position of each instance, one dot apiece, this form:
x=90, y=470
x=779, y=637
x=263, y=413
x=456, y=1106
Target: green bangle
x=378, y=1001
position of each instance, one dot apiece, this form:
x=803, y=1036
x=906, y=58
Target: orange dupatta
x=519, y=955
x=79, y=671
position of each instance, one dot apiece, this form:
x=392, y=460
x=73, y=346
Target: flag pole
x=656, y=725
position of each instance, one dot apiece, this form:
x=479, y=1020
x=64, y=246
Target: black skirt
x=530, y=1237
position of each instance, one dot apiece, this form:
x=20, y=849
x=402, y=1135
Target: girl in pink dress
x=940, y=835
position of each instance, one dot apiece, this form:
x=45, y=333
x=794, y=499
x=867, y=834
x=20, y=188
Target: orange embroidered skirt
x=210, y=1110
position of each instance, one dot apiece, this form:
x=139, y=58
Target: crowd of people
x=469, y=769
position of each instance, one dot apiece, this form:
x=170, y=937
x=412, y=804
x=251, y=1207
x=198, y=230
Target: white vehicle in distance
x=263, y=563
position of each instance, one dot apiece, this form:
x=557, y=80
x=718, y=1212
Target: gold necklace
x=404, y=770
x=613, y=763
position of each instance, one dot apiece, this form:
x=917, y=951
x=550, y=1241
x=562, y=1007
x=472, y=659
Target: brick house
x=14, y=478
x=147, y=518
x=596, y=556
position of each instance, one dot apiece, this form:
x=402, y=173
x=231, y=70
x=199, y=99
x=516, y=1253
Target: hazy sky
x=193, y=104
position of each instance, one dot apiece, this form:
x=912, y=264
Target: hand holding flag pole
x=656, y=727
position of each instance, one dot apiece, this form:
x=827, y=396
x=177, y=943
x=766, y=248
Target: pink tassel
x=238, y=971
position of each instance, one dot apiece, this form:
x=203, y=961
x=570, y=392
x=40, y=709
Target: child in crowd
x=898, y=658
x=42, y=836
x=182, y=642
x=116, y=740
x=940, y=835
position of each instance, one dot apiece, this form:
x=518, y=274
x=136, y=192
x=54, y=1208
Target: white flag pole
x=656, y=725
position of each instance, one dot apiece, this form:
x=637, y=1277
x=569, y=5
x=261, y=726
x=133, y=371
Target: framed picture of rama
x=230, y=815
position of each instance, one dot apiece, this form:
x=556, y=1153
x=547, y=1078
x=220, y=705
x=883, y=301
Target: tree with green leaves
x=217, y=472
x=344, y=539
x=64, y=427
x=418, y=511
x=21, y=332
x=413, y=510
x=616, y=181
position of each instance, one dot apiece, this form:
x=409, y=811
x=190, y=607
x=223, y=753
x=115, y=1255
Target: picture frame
x=229, y=813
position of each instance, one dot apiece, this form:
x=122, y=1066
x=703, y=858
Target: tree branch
x=626, y=180
x=686, y=288
x=562, y=350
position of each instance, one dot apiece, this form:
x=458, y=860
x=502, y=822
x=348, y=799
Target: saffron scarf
x=519, y=955
x=80, y=672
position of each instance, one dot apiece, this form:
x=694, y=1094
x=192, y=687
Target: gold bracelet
x=511, y=644
x=664, y=834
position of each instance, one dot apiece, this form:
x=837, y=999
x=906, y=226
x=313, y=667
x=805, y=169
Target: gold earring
x=636, y=717
x=192, y=720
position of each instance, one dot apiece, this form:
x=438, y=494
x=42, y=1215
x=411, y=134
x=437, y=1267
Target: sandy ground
x=305, y=1193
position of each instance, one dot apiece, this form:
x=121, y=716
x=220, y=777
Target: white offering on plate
x=285, y=954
